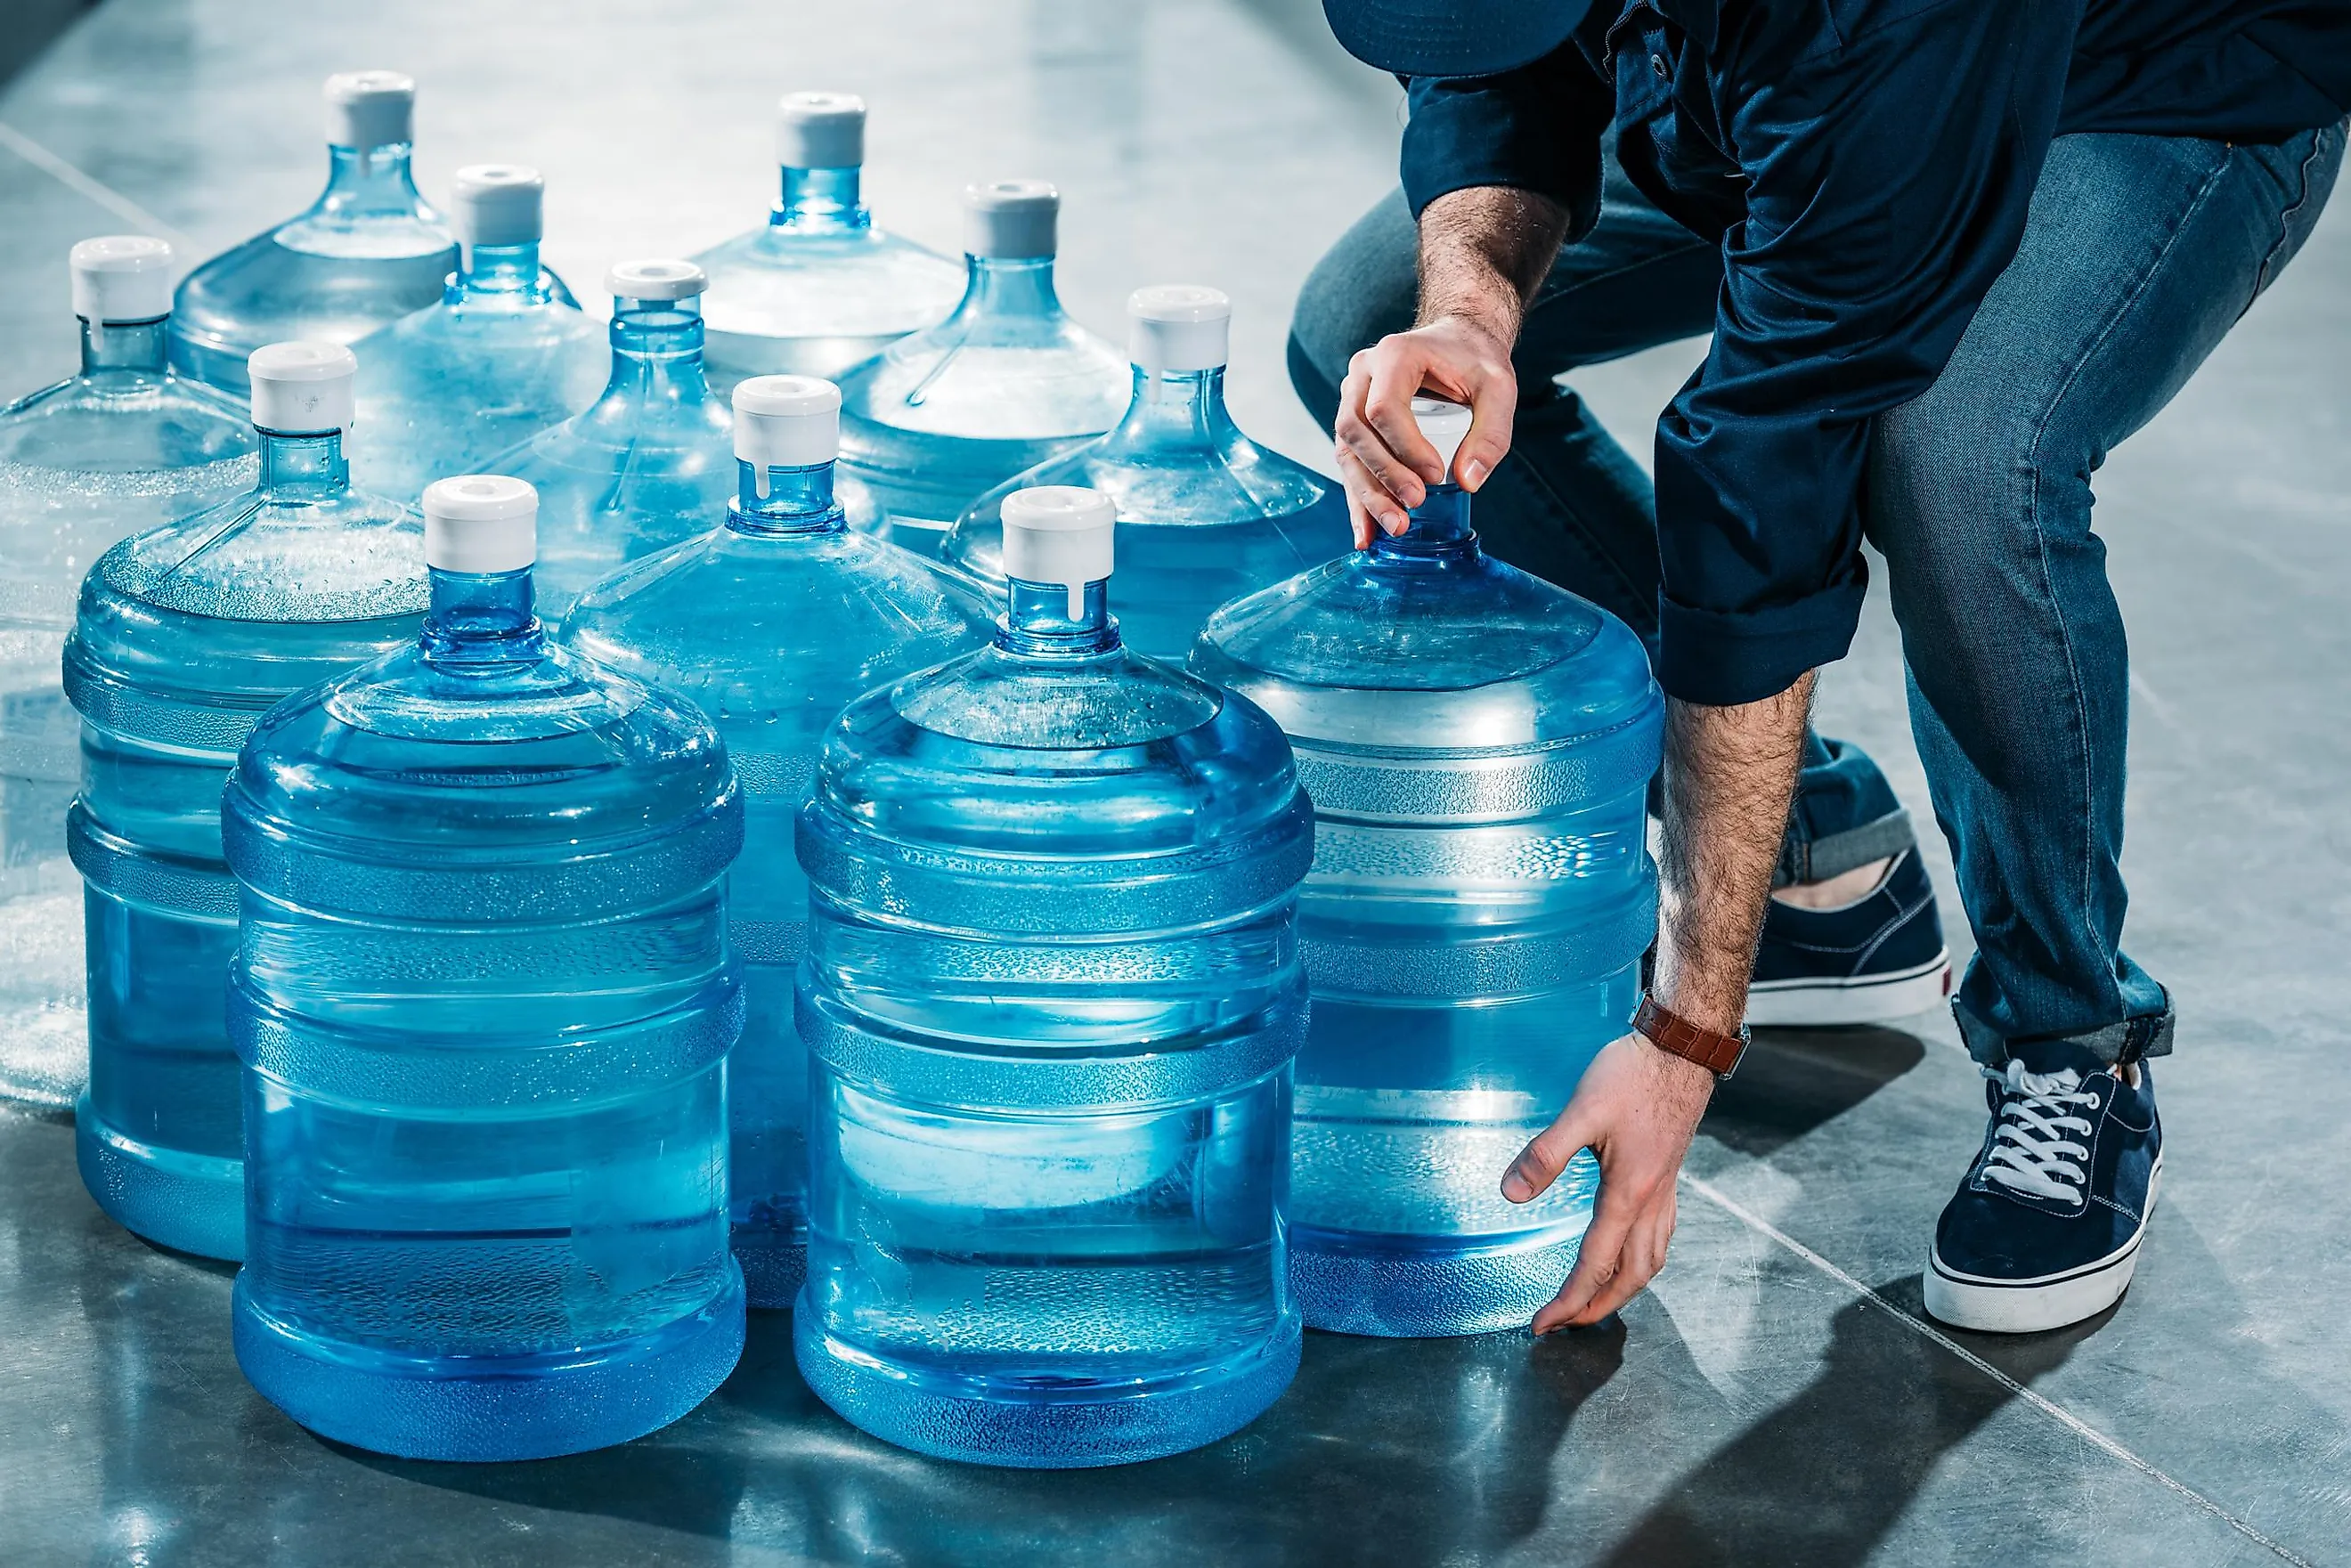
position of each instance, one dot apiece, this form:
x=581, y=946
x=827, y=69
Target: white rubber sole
x=1867, y=998
x=2036, y=1306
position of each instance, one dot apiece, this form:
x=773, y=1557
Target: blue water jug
x=121, y=445
x=1204, y=514
x=186, y=634
x=1050, y=1000
x=771, y=623
x=649, y=462
x=484, y=1003
x=1006, y=382
x=1478, y=745
x=501, y=356
x=368, y=252
x=817, y=288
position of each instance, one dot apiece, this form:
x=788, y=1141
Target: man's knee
x=1967, y=466
x=1365, y=288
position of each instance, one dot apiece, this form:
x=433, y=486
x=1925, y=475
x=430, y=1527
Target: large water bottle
x=122, y=445
x=484, y=1003
x=1006, y=382
x=651, y=461
x=1478, y=745
x=504, y=354
x=772, y=623
x=817, y=288
x=186, y=634
x=368, y=252
x=1204, y=514
x=1051, y=999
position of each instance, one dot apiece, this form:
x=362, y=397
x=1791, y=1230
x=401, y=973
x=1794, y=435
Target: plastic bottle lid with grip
x=369, y=108
x=121, y=278
x=821, y=131
x=302, y=388
x=480, y=524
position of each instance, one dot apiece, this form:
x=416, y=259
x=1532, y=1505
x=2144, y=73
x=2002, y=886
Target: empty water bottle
x=502, y=355
x=122, y=445
x=1051, y=999
x=651, y=463
x=484, y=1003
x=368, y=252
x=1478, y=745
x=186, y=634
x=1006, y=382
x=1204, y=514
x=817, y=288
x=772, y=623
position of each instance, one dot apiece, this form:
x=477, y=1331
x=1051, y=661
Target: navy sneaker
x=1880, y=956
x=2045, y=1229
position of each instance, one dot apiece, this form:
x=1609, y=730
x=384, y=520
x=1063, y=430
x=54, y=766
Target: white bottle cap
x=786, y=422
x=659, y=279
x=121, y=277
x=1009, y=220
x=480, y=523
x=1178, y=327
x=1060, y=534
x=1444, y=423
x=369, y=108
x=821, y=131
x=302, y=388
x=496, y=204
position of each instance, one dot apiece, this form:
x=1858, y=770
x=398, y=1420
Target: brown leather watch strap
x=1677, y=1036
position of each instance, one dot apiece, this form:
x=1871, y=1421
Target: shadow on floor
x=1823, y=1477
x=1794, y=1079
x=1388, y=1451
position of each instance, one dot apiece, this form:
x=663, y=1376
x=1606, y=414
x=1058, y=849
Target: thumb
x=1540, y=1163
x=1493, y=411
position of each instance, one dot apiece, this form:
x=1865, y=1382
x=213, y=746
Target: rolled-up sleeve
x=1888, y=176
x=1534, y=129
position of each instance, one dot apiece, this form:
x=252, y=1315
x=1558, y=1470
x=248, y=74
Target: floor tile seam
x=2047, y=1406
x=75, y=179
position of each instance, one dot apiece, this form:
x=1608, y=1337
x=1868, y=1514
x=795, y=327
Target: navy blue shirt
x=1867, y=165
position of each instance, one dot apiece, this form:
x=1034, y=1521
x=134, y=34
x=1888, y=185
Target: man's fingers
x=1493, y=410
x=1362, y=519
x=1643, y=1257
x=1545, y=1156
x=1599, y=1262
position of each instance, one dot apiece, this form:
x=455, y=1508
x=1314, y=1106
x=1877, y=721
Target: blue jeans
x=2140, y=253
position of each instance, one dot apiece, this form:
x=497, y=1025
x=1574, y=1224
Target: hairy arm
x=1483, y=252
x=1730, y=773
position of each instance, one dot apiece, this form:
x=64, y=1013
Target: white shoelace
x=2031, y=1152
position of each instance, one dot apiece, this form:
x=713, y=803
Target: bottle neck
x=304, y=465
x=1037, y=622
x=1174, y=408
x=124, y=352
x=798, y=501
x=370, y=180
x=481, y=618
x=995, y=286
x=1438, y=528
x=822, y=201
x=657, y=350
x=501, y=273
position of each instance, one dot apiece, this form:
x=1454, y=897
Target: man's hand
x=1636, y=1109
x=1385, y=462
x=1483, y=252
x=1728, y=775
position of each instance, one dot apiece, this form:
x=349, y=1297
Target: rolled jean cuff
x=1833, y=854
x=2129, y=1041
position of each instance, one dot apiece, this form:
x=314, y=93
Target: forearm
x=1483, y=252
x=1729, y=774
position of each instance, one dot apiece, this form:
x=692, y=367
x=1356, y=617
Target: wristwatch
x=1677, y=1036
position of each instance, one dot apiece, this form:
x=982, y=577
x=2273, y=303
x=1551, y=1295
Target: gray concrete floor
x=1776, y=1397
